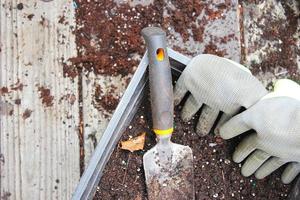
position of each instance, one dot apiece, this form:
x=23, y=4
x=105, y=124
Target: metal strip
x=178, y=56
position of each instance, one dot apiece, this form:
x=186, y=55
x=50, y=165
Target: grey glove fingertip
x=268, y=167
x=206, y=120
x=191, y=106
x=247, y=146
x=255, y=160
x=234, y=127
x=179, y=90
x=224, y=118
x=290, y=173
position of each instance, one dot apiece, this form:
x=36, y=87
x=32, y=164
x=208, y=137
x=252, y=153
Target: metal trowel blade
x=169, y=172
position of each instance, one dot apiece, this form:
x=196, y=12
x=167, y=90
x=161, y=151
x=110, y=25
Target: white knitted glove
x=216, y=84
x=276, y=120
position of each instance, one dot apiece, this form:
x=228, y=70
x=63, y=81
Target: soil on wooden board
x=283, y=32
x=216, y=175
x=108, y=33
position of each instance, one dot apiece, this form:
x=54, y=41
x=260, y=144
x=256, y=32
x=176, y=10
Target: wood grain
x=39, y=143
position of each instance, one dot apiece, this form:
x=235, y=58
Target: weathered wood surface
x=39, y=118
x=269, y=53
x=215, y=30
x=95, y=116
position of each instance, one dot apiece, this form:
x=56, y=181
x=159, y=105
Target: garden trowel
x=168, y=166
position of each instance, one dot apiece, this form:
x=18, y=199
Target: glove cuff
x=285, y=88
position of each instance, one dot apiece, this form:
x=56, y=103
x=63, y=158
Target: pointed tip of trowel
x=172, y=181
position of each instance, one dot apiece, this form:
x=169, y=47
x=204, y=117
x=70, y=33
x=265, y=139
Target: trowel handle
x=161, y=89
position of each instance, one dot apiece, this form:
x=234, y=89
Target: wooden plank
x=39, y=118
x=270, y=51
x=95, y=115
x=210, y=27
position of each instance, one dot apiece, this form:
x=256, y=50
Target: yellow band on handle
x=163, y=132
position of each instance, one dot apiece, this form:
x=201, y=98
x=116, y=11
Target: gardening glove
x=215, y=84
x=276, y=120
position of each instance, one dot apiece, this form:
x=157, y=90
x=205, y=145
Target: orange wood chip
x=134, y=144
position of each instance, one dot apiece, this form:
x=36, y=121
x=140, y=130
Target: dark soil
x=18, y=101
x=216, y=176
x=30, y=16
x=17, y=86
x=3, y=90
x=45, y=96
x=124, y=175
x=186, y=13
x=213, y=49
x=26, y=113
x=109, y=36
x=20, y=6
x=107, y=101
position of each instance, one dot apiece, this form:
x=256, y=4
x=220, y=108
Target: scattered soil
x=106, y=101
x=18, y=101
x=184, y=16
x=45, y=95
x=20, y=6
x=108, y=33
x=71, y=98
x=70, y=71
x=26, y=113
x=6, y=196
x=282, y=30
x=43, y=21
x=216, y=176
x=3, y=90
x=109, y=36
x=181, y=17
x=30, y=16
x=109, y=102
x=211, y=48
x=6, y=108
x=62, y=20
x=17, y=86
x=11, y=112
